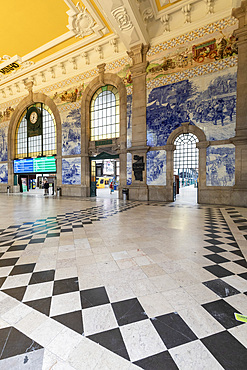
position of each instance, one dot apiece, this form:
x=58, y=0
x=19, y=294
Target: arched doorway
x=185, y=164
x=187, y=139
x=104, y=129
x=34, y=145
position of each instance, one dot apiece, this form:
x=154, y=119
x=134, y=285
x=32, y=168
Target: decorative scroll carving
x=81, y=23
x=186, y=9
x=123, y=19
x=147, y=14
x=165, y=20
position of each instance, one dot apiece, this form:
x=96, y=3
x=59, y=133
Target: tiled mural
x=71, y=171
x=129, y=169
x=208, y=101
x=71, y=132
x=3, y=173
x=220, y=164
x=3, y=143
x=156, y=167
x=129, y=120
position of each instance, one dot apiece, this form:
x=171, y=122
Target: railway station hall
x=123, y=185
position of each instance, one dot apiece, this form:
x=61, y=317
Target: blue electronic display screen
x=35, y=165
x=23, y=166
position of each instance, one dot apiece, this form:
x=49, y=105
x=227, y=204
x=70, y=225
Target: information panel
x=35, y=165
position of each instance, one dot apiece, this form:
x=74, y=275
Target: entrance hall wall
x=179, y=90
x=4, y=124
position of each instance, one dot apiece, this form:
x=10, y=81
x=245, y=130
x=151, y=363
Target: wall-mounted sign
x=11, y=67
x=138, y=167
x=35, y=165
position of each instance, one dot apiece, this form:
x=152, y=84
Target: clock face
x=33, y=117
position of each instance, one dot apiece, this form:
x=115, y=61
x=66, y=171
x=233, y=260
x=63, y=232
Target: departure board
x=35, y=165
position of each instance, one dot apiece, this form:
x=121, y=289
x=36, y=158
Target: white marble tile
x=194, y=355
x=200, y=321
x=201, y=293
x=29, y=361
x=4, y=271
x=51, y=361
x=36, y=291
x=141, y=340
x=164, y=283
x=16, y=313
x=98, y=319
x=63, y=303
x=46, y=332
x=66, y=272
x=240, y=332
x=119, y=292
x=87, y=355
x=143, y=287
x=239, y=302
x=155, y=305
x=30, y=322
x=64, y=343
x=152, y=270
x=184, y=278
x=16, y=281
x=143, y=260
x=179, y=299
x=237, y=282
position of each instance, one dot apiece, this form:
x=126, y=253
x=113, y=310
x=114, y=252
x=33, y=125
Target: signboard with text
x=35, y=165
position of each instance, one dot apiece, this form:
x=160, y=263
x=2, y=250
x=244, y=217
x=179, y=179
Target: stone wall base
x=74, y=191
x=160, y=193
x=138, y=192
x=228, y=196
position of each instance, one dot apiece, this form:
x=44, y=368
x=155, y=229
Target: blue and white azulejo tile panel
x=220, y=165
x=3, y=144
x=71, y=171
x=156, y=167
x=129, y=169
x=71, y=132
x=3, y=173
x=129, y=120
x=208, y=101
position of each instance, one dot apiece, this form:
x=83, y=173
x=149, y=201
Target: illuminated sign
x=11, y=67
x=35, y=165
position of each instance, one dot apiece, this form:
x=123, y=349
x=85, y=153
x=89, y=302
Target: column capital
x=138, y=53
x=202, y=144
x=241, y=14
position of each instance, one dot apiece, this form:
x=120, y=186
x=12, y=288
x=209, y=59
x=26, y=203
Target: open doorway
x=186, y=158
x=105, y=172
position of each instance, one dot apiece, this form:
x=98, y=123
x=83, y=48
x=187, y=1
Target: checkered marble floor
x=124, y=285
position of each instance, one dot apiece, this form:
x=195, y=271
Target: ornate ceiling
x=52, y=38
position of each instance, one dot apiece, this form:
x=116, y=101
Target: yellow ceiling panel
x=28, y=24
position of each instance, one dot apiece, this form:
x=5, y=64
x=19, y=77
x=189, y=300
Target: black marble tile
x=93, y=297
x=128, y=311
x=218, y=271
x=2, y=280
x=20, y=247
x=72, y=320
x=42, y=305
x=173, y=330
x=213, y=241
x=215, y=249
x=227, y=350
x=13, y=343
x=17, y=293
x=22, y=269
x=238, y=253
x=65, y=286
x=42, y=277
x=233, y=245
x=34, y=241
x=8, y=262
x=216, y=258
x=53, y=235
x=221, y=288
x=223, y=312
x=243, y=275
x=161, y=361
x=242, y=227
x=112, y=340
x=241, y=263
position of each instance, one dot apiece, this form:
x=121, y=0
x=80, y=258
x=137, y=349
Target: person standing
x=46, y=187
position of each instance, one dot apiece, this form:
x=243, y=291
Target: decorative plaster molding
x=114, y=43
x=17, y=86
x=99, y=50
x=165, y=21
x=73, y=60
x=52, y=71
x=122, y=18
x=86, y=57
x=81, y=23
x=186, y=9
x=63, y=68
x=210, y=6
x=147, y=14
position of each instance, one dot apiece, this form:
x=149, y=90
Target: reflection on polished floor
x=107, y=284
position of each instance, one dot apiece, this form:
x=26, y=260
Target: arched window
x=104, y=114
x=186, y=153
x=41, y=144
